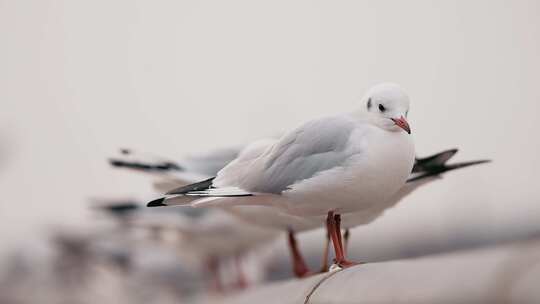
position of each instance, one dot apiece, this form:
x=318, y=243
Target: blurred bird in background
x=213, y=237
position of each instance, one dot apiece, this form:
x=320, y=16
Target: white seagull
x=425, y=170
x=329, y=166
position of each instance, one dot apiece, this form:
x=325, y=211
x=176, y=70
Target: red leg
x=346, y=237
x=331, y=227
x=300, y=268
x=241, y=281
x=324, y=267
x=334, y=227
x=337, y=221
x=213, y=268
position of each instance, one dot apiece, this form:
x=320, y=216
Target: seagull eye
x=382, y=108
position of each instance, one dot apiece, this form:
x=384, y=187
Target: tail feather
x=167, y=174
x=118, y=207
x=438, y=170
x=434, y=161
x=137, y=161
x=200, y=198
x=157, y=202
x=200, y=186
x=121, y=208
x=466, y=164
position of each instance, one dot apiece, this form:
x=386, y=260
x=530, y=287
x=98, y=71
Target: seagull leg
x=213, y=268
x=300, y=268
x=331, y=228
x=241, y=281
x=346, y=237
x=337, y=221
x=324, y=267
x=334, y=226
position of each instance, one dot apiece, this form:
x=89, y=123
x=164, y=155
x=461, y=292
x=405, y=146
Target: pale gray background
x=79, y=79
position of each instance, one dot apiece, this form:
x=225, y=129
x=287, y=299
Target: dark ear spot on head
x=369, y=104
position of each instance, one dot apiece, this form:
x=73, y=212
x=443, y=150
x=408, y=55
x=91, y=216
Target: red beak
x=402, y=123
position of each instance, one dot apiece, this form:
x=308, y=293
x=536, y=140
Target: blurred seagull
x=213, y=240
x=327, y=167
x=213, y=236
x=170, y=173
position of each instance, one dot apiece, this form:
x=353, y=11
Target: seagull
x=212, y=239
x=425, y=170
x=326, y=167
x=171, y=173
x=215, y=239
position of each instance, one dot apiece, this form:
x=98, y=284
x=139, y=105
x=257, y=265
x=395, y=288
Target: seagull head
x=387, y=106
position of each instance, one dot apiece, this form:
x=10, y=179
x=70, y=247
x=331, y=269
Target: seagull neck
x=364, y=116
x=372, y=119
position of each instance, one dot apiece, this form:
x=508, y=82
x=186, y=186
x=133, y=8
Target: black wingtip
x=121, y=208
x=156, y=203
x=115, y=163
x=117, y=208
x=467, y=164
x=157, y=167
x=438, y=171
x=203, y=185
x=449, y=153
x=428, y=163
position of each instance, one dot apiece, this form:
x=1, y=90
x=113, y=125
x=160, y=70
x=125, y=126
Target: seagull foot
x=345, y=263
x=302, y=272
x=305, y=274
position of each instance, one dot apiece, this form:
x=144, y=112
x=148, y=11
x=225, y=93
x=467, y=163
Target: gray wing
x=314, y=147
